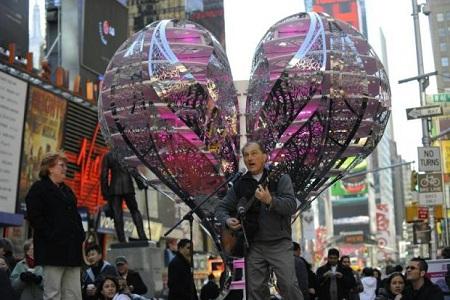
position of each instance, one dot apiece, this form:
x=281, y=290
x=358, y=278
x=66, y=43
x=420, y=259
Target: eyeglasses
x=411, y=268
x=62, y=165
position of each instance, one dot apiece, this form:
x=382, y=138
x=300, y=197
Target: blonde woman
x=58, y=231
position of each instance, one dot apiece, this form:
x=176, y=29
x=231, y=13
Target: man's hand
x=328, y=274
x=339, y=275
x=90, y=290
x=263, y=195
x=233, y=224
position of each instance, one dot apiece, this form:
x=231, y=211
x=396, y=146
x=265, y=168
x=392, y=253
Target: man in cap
x=134, y=280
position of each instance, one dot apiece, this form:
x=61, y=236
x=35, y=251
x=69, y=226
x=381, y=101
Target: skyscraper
x=440, y=35
x=36, y=39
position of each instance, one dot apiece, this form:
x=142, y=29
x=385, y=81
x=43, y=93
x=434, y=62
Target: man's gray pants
x=280, y=256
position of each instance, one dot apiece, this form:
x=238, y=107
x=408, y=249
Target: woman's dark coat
x=58, y=231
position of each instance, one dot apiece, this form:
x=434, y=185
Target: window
x=447, y=16
x=344, y=7
x=443, y=47
x=441, y=32
x=328, y=8
x=440, y=17
x=446, y=77
x=444, y=61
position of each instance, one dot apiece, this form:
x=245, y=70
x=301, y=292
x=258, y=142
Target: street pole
x=423, y=83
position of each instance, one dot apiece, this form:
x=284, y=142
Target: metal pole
x=425, y=133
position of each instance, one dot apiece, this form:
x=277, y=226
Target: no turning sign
x=429, y=159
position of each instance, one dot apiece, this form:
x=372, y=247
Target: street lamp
x=423, y=84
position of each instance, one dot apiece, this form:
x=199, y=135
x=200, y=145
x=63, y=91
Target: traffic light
x=414, y=180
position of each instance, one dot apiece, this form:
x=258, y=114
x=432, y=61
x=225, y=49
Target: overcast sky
x=247, y=21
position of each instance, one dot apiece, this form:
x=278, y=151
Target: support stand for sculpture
x=190, y=217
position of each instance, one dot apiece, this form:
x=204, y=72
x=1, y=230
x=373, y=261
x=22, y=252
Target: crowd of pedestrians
x=57, y=265
x=336, y=280
x=99, y=278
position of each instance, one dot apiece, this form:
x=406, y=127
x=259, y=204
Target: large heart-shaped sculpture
x=319, y=99
x=169, y=102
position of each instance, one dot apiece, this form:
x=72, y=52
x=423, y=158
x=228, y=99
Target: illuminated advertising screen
x=344, y=10
x=43, y=133
x=14, y=24
x=351, y=214
x=351, y=185
x=209, y=14
x=13, y=94
x=105, y=29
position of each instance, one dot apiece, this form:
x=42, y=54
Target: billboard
x=351, y=186
x=104, y=29
x=351, y=214
x=43, y=133
x=13, y=94
x=14, y=24
x=209, y=14
x=344, y=10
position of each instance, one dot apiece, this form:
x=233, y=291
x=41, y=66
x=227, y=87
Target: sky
x=247, y=21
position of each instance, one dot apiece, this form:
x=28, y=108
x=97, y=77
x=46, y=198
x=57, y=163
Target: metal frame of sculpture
x=318, y=98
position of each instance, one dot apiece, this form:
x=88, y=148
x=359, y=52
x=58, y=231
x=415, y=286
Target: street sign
x=422, y=213
x=430, y=183
x=423, y=112
x=429, y=159
x=428, y=199
x=441, y=97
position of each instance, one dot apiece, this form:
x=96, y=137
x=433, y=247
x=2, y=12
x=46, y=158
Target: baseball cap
x=121, y=260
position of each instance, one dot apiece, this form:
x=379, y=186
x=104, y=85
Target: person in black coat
x=335, y=281
x=57, y=229
x=6, y=290
x=419, y=286
x=394, y=287
x=6, y=250
x=133, y=278
x=301, y=271
x=210, y=290
x=181, y=283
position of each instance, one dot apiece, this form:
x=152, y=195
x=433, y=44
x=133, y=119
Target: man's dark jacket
x=209, y=291
x=428, y=291
x=58, y=231
x=302, y=276
x=181, y=284
x=134, y=279
x=344, y=284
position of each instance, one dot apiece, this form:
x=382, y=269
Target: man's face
x=122, y=268
x=333, y=259
x=186, y=251
x=254, y=159
x=346, y=262
x=413, y=271
x=3, y=264
x=93, y=257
